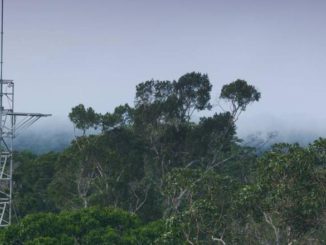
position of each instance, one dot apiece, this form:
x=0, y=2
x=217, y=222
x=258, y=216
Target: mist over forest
x=56, y=133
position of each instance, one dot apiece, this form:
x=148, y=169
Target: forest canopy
x=151, y=174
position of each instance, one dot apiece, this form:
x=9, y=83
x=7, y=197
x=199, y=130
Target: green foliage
x=211, y=133
x=122, y=116
x=31, y=178
x=86, y=226
x=240, y=94
x=83, y=118
x=62, y=240
x=165, y=101
x=289, y=192
x=201, y=202
x=288, y=176
x=193, y=92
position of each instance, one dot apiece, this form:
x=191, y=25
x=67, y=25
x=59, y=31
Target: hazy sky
x=65, y=52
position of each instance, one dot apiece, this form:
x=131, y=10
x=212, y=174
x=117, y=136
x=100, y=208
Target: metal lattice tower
x=11, y=123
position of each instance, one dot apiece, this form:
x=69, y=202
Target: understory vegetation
x=154, y=175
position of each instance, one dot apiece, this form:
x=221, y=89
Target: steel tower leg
x=6, y=151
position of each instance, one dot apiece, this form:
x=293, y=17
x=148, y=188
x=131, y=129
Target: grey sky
x=64, y=52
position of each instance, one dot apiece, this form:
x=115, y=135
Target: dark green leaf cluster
x=83, y=118
x=86, y=226
x=240, y=94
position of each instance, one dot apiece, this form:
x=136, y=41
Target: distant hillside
x=43, y=142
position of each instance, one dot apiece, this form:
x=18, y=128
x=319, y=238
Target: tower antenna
x=10, y=123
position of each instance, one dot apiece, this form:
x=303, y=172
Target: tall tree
x=83, y=118
x=240, y=94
